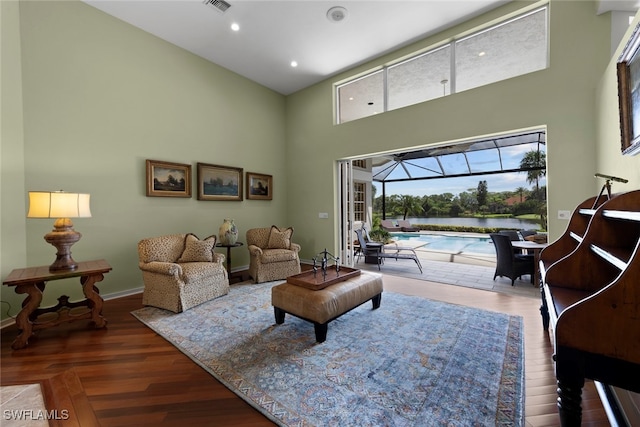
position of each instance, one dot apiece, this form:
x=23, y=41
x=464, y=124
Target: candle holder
x=324, y=257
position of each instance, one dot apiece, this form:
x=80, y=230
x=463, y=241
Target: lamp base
x=63, y=238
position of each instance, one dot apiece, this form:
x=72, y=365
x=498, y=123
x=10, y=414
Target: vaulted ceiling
x=322, y=40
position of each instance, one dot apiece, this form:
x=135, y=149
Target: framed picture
x=217, y=182
x=167, y=179
x=629, y=95
x=259, y=186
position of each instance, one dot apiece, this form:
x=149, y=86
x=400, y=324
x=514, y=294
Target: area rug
x=412, y=362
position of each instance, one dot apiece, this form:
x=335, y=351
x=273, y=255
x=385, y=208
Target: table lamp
x=63, y=206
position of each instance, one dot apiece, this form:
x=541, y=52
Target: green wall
x=562, y=98
x=100, y=97
x=87, y=98
x=609, y=160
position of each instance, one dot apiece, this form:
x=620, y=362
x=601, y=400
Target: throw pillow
x=196, y=250
x=279, y=239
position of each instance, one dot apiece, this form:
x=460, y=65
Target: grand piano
x=590, y=287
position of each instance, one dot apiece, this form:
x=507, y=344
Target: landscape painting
x=259, y=186
x=217, y=182
x=168, y=179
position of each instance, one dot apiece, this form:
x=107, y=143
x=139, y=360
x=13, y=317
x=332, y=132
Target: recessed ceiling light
x=294, y=64
x=337, y=14
x=483, y=53
x=235, y=27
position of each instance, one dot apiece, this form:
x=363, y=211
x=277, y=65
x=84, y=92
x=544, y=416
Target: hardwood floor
x=127, y=375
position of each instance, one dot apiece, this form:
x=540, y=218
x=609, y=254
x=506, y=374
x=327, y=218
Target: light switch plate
x=564, y=214
x=323, y=215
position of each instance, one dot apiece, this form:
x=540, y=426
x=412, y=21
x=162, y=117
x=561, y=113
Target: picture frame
x=628, y=71
x=168, y=179
x=216, y=182
x=259, y=186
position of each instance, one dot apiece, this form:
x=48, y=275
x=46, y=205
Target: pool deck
x=460, y=269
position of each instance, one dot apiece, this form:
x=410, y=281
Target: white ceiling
x=274, y=33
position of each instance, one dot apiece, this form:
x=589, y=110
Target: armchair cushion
x=278, y=255
x=196, y=250
x=193, y=272
x=279, y=239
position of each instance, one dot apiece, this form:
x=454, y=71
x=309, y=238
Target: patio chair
x=366, y=247
x=396, y=248
x=508, y=264
x=406, y=226
x=526, y=233
x=376, y=251
x=389, y=225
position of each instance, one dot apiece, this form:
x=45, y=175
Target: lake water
x=514, y=223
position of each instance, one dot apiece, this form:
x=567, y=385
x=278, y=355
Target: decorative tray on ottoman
x=320, y=279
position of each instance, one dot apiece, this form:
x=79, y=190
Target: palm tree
x=520, y=191
x=532, y=161
x=481, y=194
x=410, y=204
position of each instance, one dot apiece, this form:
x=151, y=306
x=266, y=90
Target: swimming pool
x=450, y=243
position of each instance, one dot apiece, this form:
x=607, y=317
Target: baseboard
x=7, y=322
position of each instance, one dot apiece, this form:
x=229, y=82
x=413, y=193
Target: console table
x=32, y=281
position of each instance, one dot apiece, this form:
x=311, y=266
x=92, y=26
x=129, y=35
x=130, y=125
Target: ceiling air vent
x=219, y=5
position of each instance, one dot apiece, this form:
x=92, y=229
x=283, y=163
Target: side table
x=32, y=281
x=373, y=259
x=235, y=245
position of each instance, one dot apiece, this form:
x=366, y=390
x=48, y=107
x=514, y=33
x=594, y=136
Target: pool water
x=450, y=243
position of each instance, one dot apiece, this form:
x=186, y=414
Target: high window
x=512, y=48
x=368, y=89
x=419, y=79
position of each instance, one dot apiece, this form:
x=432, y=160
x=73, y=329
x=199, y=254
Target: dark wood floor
x=127, y=375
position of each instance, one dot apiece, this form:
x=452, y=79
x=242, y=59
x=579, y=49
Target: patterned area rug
x=412, y=362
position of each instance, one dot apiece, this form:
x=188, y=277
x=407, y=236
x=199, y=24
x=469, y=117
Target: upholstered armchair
x=272, y=255
x=181, y=271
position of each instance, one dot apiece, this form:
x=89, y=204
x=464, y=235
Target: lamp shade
x=58, y=204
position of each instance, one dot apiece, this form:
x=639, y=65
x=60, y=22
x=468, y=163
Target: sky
x=483, y=160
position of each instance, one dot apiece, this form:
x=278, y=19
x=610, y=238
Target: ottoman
x=324, y=305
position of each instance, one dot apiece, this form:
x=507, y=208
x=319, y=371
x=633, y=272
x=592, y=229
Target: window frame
x=451, y=44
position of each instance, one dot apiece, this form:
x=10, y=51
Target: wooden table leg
x=229, y=261
x=95, y=301
x=570, y=402
x=29, y=305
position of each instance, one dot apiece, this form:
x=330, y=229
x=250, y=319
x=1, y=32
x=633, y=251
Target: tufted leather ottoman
x=322, y=306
